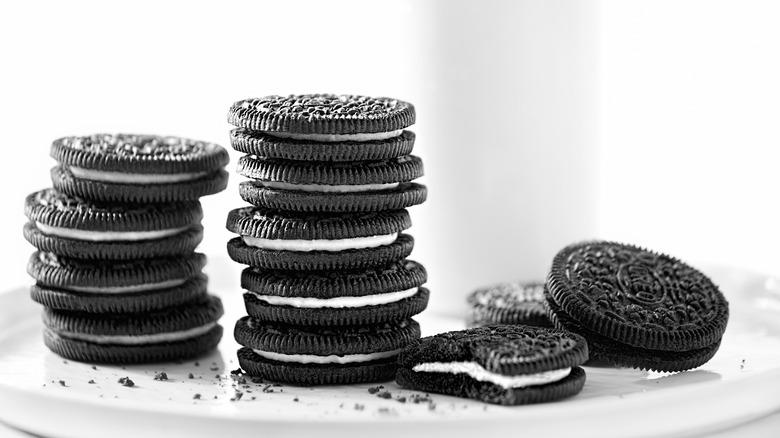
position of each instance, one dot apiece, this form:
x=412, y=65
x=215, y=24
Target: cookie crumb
x=400, y=399
x=237, y=396
x=62, y=383
x=190, y=376
x=296, y=399
x=94, y=367
x=197, y=364
x=359, y=407
x=385, y=395
x=91, y=382
x=125, y=381
x=237, y=372
x=161, y=376
x=214, y=368
x=196, y=397
x=742, y=365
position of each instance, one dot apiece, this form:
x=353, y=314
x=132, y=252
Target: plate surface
x=41, y=393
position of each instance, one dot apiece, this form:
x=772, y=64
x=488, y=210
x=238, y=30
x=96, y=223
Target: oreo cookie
x=322, y=355
x=332, y=187
x=295, y=241
x=336, y=298
x=176, y=333
x=637, y=308
x=73, y=227
x=113, y=277
x=324, y=117
x=268, y=146
x=138, y=168
x=132, y=302
x=504, y=364
x=509, y=303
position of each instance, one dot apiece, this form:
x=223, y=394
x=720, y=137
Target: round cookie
x=294, y=241
x=133, y=302
x=324, y=117
x=73, y=227
x=138, y=168
x=336, y=298
x=322, y=355
x=181, y=332
x=509, y=303
x=268, y=146
x=636, y=307
x=115, y=277
x=504, y=364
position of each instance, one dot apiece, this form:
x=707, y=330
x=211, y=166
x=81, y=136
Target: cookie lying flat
x=312, y=186
x=509, y=303
x=131, y=302
x=295, y=241
x=321, y=355
x=324, y=117
x=636, y=308
x=268, y=146
x=138, y=168
x=336, y=298
x=505, y=364
x=176, y=333
x=72, y=227
x=113, y=277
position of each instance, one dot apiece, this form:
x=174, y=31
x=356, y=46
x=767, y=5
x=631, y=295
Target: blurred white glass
x=506, y=126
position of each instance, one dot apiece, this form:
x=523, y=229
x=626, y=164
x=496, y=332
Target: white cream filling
x=478, y=372
x=324, y=188
x=320, y=244
x=141, y=339
x=134, y=178
x=363, y=136
x=127, y=289
x=313, y=358
x=107, y=236
x=337, y=302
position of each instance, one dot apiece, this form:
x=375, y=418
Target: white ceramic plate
x=740, y=383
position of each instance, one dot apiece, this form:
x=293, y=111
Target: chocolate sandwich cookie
x=138, y=168
x=176, y=333
x=113, y=277
x=322, y=355
x=324, y=117
x=74, y=227
x=313, y=186
x=266, y=145
x=504, y=364
x=509, y=303
x=300, y=241
x=636, y=308
x=130, y=302
x=336, y=298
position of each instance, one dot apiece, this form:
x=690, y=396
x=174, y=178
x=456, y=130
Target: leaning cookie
x=509, y=303
x=73, y=227
x=321, y=355
x=171, y=334
x=298, y=241
x=332, y=187
x=505, y=364
x=138, y=168
x=636, y=308
x=336, y=298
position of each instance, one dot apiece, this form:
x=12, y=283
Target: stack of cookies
x=116, y=268
x=329, y=291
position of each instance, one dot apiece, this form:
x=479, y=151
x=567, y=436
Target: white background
x=688, y=98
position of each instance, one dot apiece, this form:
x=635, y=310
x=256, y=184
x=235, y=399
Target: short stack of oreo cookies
x=115, y=267
x=329, y=291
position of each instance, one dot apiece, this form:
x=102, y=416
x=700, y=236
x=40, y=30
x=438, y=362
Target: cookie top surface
x=288, y=339
x=135, y=153
x=395, y=277
x=56, y=209
x=637, y=297
x=187, y=316
x=504, y=349
x=509, y=295
x=269, y=224
x=322, y=114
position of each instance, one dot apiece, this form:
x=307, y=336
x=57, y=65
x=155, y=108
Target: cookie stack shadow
x=329, y=290
x=115, y=267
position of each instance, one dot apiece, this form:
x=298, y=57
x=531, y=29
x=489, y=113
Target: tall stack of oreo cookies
x=329, y=291
x=115, y=267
